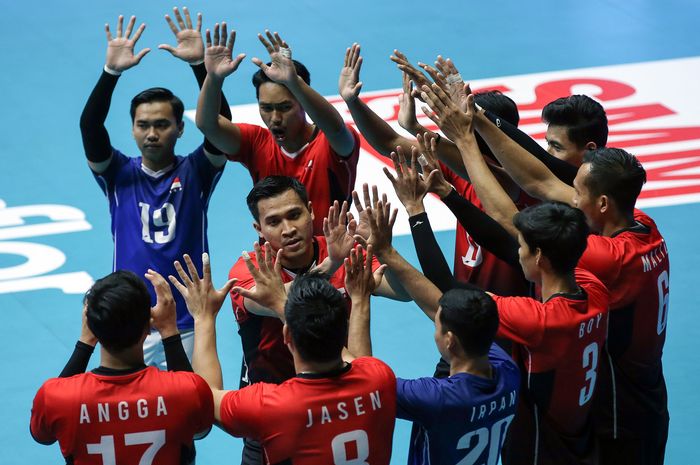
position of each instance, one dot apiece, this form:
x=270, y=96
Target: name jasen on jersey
x=105, y=412
x=651, y=260
x=488, y=409
x=342, y=410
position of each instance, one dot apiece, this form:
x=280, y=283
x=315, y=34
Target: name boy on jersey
x=110, y=414
x=338, y=408
x=158, y=202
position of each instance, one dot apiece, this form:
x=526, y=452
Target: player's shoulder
x=589, y=281
x=373, y=365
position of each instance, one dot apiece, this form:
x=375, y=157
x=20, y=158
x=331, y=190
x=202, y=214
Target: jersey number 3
x=163, y=221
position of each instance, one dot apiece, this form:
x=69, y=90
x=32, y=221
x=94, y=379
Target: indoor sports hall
x=640, y=59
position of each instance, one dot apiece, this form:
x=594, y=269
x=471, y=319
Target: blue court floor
x=54, y=221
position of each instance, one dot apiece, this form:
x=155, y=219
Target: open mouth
x=278, y=133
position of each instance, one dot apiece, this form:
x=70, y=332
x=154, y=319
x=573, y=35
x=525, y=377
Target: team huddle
x=550, y=325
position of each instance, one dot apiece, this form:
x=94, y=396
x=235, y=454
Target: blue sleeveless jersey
x=155, y=220
x=463, y=418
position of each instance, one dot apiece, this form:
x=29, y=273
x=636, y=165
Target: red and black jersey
x=265, y=357
x=557, y=344
x=476, y=265
x=634, y=265
x=123, y=418
x=342, y=417
x=326, y=175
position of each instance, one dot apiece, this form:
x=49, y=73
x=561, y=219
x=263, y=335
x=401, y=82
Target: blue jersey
x=158, y=217
x=461, y=419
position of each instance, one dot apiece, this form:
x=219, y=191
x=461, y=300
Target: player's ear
x=180, y=128
x=311, y=210
x=538, y=256
x=286, y=336
x=591, y=146
x=603, y=203
x=257, y=228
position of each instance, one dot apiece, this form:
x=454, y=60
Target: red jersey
x=634, y=265
x=265, y=356
x=147, y=416
x=558, y=344
x=333, y=418
x=476, y=265
x=326, y=175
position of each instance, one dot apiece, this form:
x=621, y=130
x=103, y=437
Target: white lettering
x=376, y=401
x=103, y=412
x=142, y=408
x=325, y=415
x=161, y=410
x=84, y=417
x=358, y=406
x=343, y=413
x=123, y=410
x=311, y=418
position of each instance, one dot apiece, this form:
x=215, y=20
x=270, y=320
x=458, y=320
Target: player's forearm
x=430, y=257
x=424, y=293
x=525, y=169
x=359, y=340
x=200, y=73
x=325, y=116
x=221, y=132
x=205, y=360
x=493, y=197
x=78, y=361
x=377, y=132
x=92, y=129
x=175, y=356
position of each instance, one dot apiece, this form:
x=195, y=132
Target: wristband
x=197, y=63
x=111, y=71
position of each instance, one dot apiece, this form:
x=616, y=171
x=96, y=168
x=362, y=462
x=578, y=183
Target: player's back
x=333, y=418
x=462, y=417
x=557, y=345
x=635, y=266
x=102, y=417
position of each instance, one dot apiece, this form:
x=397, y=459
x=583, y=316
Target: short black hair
x=584, y=118
x=557, y=229
x=472, y=316
x=317, y=317
x=617, y=174
x=499, y=104
x=158, y=94
x=118, y=310
x=259, y=78
x=272, y=186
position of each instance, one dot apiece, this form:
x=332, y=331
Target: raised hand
x=456, y=88
x=190, y=47
x=428, y=160
x=407, y=106
x=360, y=282
x=202, y=299
x=381, y=221
x=453, y=122
x=414, y=73
x=120, y=49
x=281, y=68
x=163, y=314
x=339, y=229
x=269, y=291
x=349, y=84
x=218, y=56
x=86, y=334
x=363, y=228
x=411, y=187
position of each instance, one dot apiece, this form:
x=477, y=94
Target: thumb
x=167, y=48
x=229, y=284
x=142, y=54
x=379, y=273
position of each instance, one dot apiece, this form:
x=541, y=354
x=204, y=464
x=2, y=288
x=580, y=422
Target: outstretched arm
x=219, y=63
x=527, y=171
x=120, y=57
x=326, y=117
x=190, y=49
x=453, y=121
x=418, y=287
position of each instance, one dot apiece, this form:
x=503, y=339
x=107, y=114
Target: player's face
x=282, y=114
x=156, y=131
x=584, y=200
x=559, y=145
x=528, y=260
x=286, y=223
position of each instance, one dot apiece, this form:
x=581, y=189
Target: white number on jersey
x=662, y=285
x=338, y=444
x=105, y=447
x=484, y=438
x=163, y=219
x=590, y=361
x=473, y=257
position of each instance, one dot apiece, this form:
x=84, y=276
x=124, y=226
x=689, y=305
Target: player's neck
x=306, y=367
x=131, y=357
x=617, y=223
x=157, y=165
x=297, y=143
x=558, y=284
x=479, y=366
